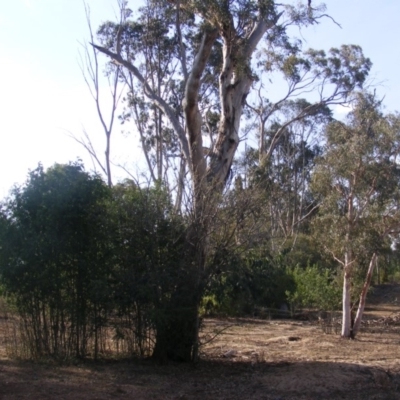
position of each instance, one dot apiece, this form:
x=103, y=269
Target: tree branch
x=191, y=107
x=257, y=33
x=150, y=94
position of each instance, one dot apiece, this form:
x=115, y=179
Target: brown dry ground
x=250, y=359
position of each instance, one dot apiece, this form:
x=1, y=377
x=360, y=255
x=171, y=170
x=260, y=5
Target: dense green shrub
x=55, y=257
x=148, y=253
x=86, y=263
x=249, y=283
x=314, y=288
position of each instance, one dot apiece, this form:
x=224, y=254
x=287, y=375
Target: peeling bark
x=192, y=113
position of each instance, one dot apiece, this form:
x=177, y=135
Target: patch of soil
x=248, y=359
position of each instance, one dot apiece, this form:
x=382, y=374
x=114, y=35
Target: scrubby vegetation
x=305, y=216
x=91, y=270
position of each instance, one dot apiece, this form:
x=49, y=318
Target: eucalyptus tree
x=209, y=73
x=330, y=77
x=147, y=41
x=289, y=128
x=357, y=180
x=289, y=174
x=282, y=181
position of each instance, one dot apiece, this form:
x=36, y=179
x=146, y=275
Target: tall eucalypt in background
x=209, y=74
x=357, y=181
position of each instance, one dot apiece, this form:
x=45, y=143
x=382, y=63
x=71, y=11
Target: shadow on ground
x=207, y=380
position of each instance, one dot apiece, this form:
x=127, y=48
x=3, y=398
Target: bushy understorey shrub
x=314, y=288
x=89, y=269
x=248, y=285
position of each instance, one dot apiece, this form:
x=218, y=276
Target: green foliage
x=357, y=181
x=148, y=257
x=83, y=261
x=390, y=274
x=54, y=257
x=247, y=284
x=303, y=249
x=315, y=288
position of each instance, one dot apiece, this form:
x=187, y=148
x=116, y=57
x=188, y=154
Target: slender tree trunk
x=108, y=162
x=346, y=320
x=348, y=261
x=181, y=184
x=363, y=296
x=378, y=272
x=346, y=300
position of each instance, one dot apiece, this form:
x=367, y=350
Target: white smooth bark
x=346, y=306
x=234, y=86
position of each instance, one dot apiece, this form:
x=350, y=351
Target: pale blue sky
x=43, y=95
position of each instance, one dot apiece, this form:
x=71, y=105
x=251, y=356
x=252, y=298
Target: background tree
x=331, y=78
x=357, y=180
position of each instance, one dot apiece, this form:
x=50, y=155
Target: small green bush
x=248, y=284
x=314, y=288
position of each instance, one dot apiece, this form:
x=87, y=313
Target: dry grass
x=250, y=359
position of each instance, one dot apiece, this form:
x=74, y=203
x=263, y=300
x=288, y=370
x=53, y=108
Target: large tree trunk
x=177, y=323
x=363, y=296
x=177, y=335
x=177, y=328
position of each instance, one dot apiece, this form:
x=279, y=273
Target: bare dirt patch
x=250, y=359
